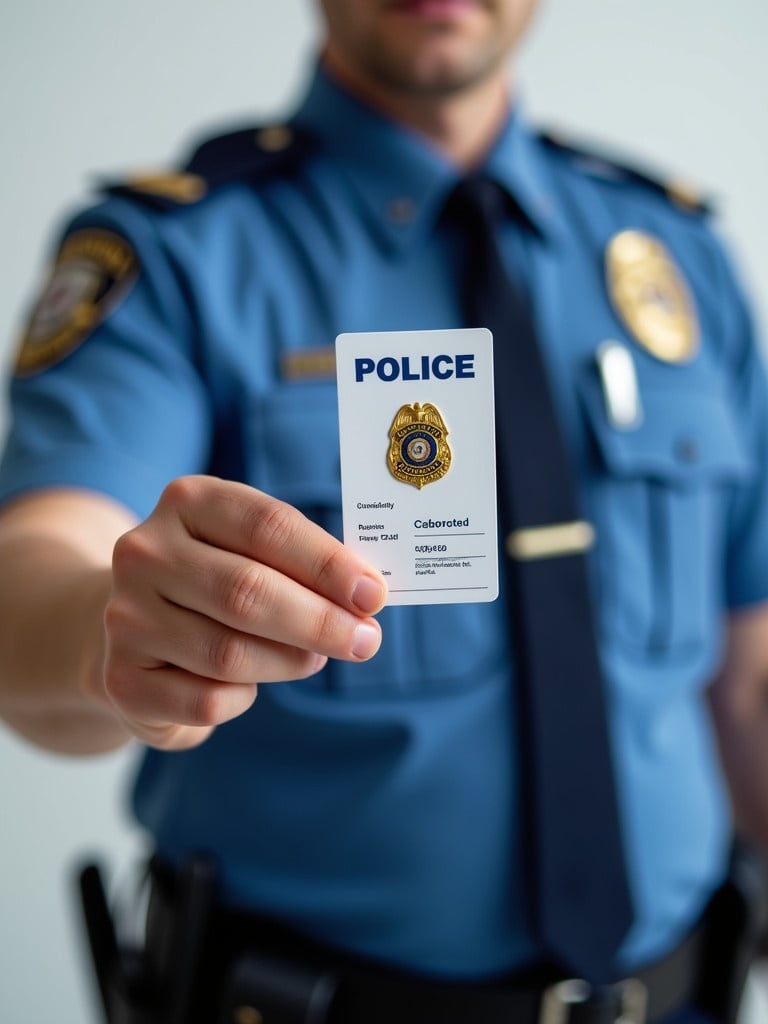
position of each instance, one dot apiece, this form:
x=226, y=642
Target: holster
x=138, y=986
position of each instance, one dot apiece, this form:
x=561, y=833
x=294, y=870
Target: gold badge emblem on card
x=651, y=296
x=418, y=449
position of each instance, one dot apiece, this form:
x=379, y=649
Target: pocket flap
x=297, y=446
x=685, y=436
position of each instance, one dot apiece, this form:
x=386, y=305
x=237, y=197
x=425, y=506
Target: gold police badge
x=418, y=449
x=650, y=295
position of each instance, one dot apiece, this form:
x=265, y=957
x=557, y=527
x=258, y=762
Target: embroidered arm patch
x=93, y=272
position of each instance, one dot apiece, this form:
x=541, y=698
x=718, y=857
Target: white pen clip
x=620, y=389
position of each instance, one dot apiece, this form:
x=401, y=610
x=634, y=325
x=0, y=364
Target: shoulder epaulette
x=607, y=166
x=251, y=154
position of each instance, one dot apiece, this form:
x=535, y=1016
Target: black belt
x=205, y=964
x=256, y=988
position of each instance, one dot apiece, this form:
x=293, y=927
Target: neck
x=462, y=125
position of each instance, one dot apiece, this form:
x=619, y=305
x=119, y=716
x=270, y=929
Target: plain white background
x=92, y=87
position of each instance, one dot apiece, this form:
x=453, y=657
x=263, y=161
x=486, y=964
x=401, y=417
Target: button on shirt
x=376, y=806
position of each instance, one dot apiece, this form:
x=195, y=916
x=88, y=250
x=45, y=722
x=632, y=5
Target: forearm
x=743, y=738
x=52, y=596
x=739, y=701
x=167, y=626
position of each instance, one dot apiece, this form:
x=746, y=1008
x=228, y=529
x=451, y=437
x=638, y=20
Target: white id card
x=418, y=465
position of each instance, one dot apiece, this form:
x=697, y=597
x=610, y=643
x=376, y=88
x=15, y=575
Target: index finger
x=238, y=518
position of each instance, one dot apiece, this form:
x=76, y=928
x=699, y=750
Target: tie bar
x=551, y=541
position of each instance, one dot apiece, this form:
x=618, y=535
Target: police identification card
x=418, y=467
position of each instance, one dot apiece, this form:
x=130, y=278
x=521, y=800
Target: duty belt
x=204, y=964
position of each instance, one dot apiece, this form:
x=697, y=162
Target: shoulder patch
x=253, y=154
x=94, y=270
x=593, y=161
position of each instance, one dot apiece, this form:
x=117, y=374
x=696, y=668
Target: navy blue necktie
x=581, y=902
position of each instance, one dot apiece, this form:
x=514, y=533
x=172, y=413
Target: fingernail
x=366, y=641
x=367, y=595
x=318, y=661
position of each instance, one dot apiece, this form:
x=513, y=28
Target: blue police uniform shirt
x=376, y=806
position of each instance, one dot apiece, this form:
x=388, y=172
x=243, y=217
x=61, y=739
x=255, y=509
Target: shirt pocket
x=293, y=454
x=659, y=503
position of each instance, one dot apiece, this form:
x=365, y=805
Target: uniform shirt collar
x=402, y=180
x=518, y=162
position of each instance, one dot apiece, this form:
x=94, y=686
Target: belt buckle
x=558, y=999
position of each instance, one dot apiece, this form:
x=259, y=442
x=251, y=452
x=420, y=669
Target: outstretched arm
x=161, y=630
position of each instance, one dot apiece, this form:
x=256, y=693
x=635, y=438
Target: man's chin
x=433, y=79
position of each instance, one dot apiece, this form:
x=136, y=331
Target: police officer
x=171, y=526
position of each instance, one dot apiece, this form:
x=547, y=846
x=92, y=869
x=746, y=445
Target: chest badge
x=418, y=449
x=651, y=296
